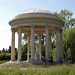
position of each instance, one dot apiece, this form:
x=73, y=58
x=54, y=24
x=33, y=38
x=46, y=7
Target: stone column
x=28, y=47
x=50, y=45
x=40, y=45
x=57, y=45
x=61, y=45
x=19, y=43
x=13, y=46
x=47, y=43
x=32, y=43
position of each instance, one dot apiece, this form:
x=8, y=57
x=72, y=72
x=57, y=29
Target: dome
x=36, y=10
x=36, y=13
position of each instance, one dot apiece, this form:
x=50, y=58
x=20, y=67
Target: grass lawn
x=50, y=70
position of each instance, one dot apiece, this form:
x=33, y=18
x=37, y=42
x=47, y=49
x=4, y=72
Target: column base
x=19, y=60
x=12, y=60
x=36, y=62
x=60, y=60
x=27, y=60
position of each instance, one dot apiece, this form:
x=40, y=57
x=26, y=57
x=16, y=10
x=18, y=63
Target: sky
x=10, y=8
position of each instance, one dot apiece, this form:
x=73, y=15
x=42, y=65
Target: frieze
x=53, y=23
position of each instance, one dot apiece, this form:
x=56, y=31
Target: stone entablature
x=37, y=19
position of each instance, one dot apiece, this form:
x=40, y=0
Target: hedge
x=5, y=56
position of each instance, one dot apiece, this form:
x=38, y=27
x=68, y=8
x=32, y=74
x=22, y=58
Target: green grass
x=51, y=70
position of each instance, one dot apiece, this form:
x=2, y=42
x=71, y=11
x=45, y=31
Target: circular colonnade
x=37, y=21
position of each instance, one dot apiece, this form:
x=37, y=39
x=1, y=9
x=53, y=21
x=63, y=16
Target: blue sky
x=10, y=8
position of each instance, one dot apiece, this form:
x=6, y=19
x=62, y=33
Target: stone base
x=36, y=62
x=12, y=60
x=18, y=60
x=36, y=57
x=61, y=60
x=22, y=64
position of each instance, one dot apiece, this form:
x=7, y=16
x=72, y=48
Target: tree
x=6, y=50
x=3, y=50
x=72, y=22
x=54, y=53
x=24, y=52
x=65, y=40
x=43, y=50
x=69, y=43
x=42, y=39
x=0, y=51
x=68, y=33
x=65, y=15
x=9, y=50
x=69, y=56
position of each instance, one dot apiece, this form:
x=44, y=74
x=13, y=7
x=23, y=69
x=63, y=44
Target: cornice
x=36, y=19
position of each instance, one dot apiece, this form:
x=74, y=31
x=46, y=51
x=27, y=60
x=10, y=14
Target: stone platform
x=23, y=64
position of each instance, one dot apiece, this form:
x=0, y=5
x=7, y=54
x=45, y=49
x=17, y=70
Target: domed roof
x=36, y=10
x=36, y=13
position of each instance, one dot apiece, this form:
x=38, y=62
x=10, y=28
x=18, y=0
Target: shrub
x=5, y=56
x=2, y=56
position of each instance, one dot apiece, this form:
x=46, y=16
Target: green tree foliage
x=42, y=39
x=53, y=44
x=54, y=53
x=43, y=50
x=24, y=37
x=9, y=50
x=0, y=51
x=5, y=56
x=16, y=54
x=3, y=50
x=68, y=34
x=65, y=15
x=72, y=22
x=65, y=37
x=69, y=43
x=69, y=56
x=24, y=52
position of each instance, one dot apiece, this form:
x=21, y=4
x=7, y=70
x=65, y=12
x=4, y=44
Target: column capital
x=47, y=27
x=12, y=30
x=57, y=28
x=32, y=26
x=39, y=35
x=19, y=27
x=50, y=34
x=28, y=34
x=61, y=30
